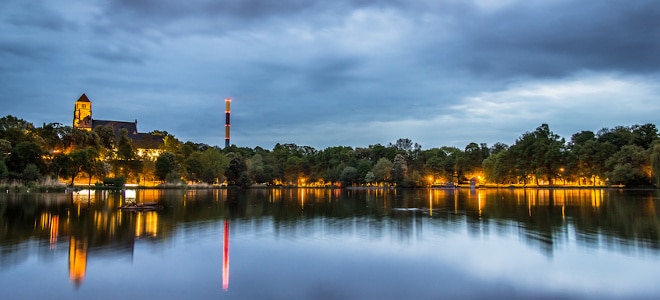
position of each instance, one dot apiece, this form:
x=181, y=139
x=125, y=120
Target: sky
x=335, y=73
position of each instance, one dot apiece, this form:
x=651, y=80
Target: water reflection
x=90, y=224
x=225, y=257
x=77, y=260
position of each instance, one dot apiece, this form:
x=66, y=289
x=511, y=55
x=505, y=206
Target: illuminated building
x=227, y=123
x=82, y=113
x=148, y=145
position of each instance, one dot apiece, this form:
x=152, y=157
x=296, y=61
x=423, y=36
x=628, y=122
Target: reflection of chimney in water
x=225, y=258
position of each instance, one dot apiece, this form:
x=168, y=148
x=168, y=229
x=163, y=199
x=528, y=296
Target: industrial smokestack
x=227, y=123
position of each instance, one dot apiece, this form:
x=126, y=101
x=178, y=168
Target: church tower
x=82, y=113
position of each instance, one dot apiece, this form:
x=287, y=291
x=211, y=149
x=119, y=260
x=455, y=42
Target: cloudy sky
x=341, y=72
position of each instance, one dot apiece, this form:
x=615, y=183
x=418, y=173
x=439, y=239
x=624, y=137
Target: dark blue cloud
x=558, y=38
x=326, y=73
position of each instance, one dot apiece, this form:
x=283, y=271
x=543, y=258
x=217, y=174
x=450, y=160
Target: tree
x=256, y=169
x=370, y=178
x=548, y=153
x=209, y=166
x=618, y=136
x=216, y=163
x=51, y=134
x=404, y=145
x=31, y=173
x=399, y=169
x=493, y=168
x=125, y=151
x=644, y=135
x=165, y=165
x=25, y=153
x=92, y=166
x=237, y=167
x=379, y=151
x=408, y=148
x=580, y=159
x=5, y=149
x=82, y=160
x=106, y=136
x=628, y=166
x=348, y=176
x=382, y=170
x=15, y=130
x=293, y=168
x=498, y=147
x=126, y=161
x=539, y=154
x=75, y=138
x=435, y=166
x=452, y=163
x=244, y=180
x=194, y=166
x=363, y=167
x=471, y=160
x=4, y=172
x=655, y=164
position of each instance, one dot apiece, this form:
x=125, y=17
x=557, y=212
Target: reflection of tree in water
x=549, y=218
x=544, y=218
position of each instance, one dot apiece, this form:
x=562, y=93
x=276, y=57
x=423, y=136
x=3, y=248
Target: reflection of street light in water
x=77, y=260
x=225, y=258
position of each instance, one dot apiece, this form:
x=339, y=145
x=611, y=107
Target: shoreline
x=18, y=188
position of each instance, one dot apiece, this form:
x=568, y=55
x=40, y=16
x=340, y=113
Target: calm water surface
x=331, y=244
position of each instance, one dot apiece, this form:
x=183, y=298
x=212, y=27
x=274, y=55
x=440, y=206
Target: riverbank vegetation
x=623, y=155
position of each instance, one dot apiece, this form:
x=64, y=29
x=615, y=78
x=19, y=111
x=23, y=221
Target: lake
x=331, y=244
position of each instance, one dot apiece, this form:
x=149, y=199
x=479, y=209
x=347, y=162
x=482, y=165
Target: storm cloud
x=326, y=73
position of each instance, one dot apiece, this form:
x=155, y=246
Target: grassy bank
x=45, y=185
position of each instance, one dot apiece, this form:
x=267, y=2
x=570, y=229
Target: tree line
x=627, y=155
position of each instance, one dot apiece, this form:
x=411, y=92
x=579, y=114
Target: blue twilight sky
x=341, y=72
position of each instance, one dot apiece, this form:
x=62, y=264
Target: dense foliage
x=620, y=155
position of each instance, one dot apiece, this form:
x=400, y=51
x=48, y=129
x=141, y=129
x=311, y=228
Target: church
x=147, y=145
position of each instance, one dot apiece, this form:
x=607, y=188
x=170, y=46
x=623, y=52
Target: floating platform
x=147, y=206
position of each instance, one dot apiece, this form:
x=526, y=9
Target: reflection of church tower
x=225, y=258
x=77, y=260
x=82, y=113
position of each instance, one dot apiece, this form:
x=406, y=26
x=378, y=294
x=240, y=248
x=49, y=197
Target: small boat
x=147, y=206
x=447, y=185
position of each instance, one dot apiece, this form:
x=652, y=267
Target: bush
x=31, y=173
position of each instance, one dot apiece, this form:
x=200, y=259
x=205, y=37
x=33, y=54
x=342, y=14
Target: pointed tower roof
x=83, y=98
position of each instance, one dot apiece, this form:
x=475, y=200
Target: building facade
x=147, y=145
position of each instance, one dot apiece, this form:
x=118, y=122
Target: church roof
x=140, y=140
x=117, y=126
x=147, y=141
x=83, y=98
